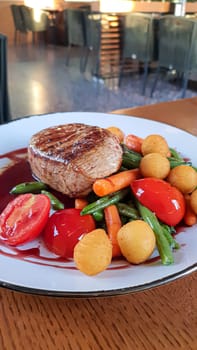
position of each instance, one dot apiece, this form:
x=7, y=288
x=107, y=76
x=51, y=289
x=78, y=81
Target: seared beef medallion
x=70, y=157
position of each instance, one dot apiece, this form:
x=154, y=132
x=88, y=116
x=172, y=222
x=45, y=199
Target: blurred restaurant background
x=96, y=55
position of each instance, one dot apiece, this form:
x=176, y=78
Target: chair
x=4, y=97
x=177, y=48
x=34, y=25
x=19, y=23
x=74, y=19
x=138, y=42
x=92, y=23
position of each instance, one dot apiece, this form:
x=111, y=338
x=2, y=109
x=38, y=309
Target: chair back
x=4, y=97
x=176, y=38
x=18, y=18
x=193, y=56
x=76, y=27
x=93, y=30
x=33, y=24
x=138, y=37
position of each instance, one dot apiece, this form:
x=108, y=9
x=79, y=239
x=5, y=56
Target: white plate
x=28, y=276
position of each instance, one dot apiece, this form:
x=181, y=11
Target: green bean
x=55, y=202
x=130, y=159
x=176, y=162
x=124, y=219
x=126, y=210
x=104, y=202
x=98, y=215
x=168, y=234
x=163, y=246
x=29, y=187
x=129, y=163
x=175, y=154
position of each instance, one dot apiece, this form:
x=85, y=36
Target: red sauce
x=18, y=171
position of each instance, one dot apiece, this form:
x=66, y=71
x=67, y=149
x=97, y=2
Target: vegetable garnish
x=166, y=201
x=113, y=183
x=63, y=230
x=29, y=187
x=127, y=214
x=113, y=225
x=24, y=218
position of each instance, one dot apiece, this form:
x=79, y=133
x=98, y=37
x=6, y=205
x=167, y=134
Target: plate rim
x=102, y=293
x=110, y=292
x=104, y=113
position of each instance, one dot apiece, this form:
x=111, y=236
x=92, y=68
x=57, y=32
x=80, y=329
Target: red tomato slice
x=24, y=218
x=63, y=230
x=166, y=201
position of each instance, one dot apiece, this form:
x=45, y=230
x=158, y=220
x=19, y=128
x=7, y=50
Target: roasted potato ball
x=137, y=241
x=183, y=177
x=93, y=253
x=117, y=131
x=193, y=201
x=155, y=165
x=155, y=144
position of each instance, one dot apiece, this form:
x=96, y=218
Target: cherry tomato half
x=63, y=230
x=166, y=201
x=24, y=218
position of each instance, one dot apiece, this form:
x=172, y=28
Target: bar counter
x=156, y=319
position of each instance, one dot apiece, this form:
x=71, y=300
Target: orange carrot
x=80, y=203
x=190, y=218
x=113, y=183
x=113, y=225
x=133, y=142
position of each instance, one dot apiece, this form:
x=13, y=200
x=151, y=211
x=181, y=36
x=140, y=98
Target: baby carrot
x=133, y=142
x=116, y=182
x=80, y=203
x=113, y=225
x=190, y=217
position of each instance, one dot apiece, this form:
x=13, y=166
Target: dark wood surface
x=160, y=318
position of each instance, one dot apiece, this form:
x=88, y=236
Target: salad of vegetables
x=128, y=214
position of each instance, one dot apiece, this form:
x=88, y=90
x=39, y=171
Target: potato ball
x=155, y=165
x=137, y=241
x=117, y=132
x=93, y=253
x=193, y=201
x=155, y=144
x=183, y=177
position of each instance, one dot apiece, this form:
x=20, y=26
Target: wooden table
x=161, y=318
x=179, y=113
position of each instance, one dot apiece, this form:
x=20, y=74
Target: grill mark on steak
x=61, y=146
x=71, y=157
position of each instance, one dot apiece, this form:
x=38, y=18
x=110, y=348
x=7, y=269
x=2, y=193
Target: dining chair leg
x=84, y=60
x=121, y=72
x=155, y=81
x=184, y=84
x=97, y=67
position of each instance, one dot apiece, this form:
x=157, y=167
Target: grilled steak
x=70, y=157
